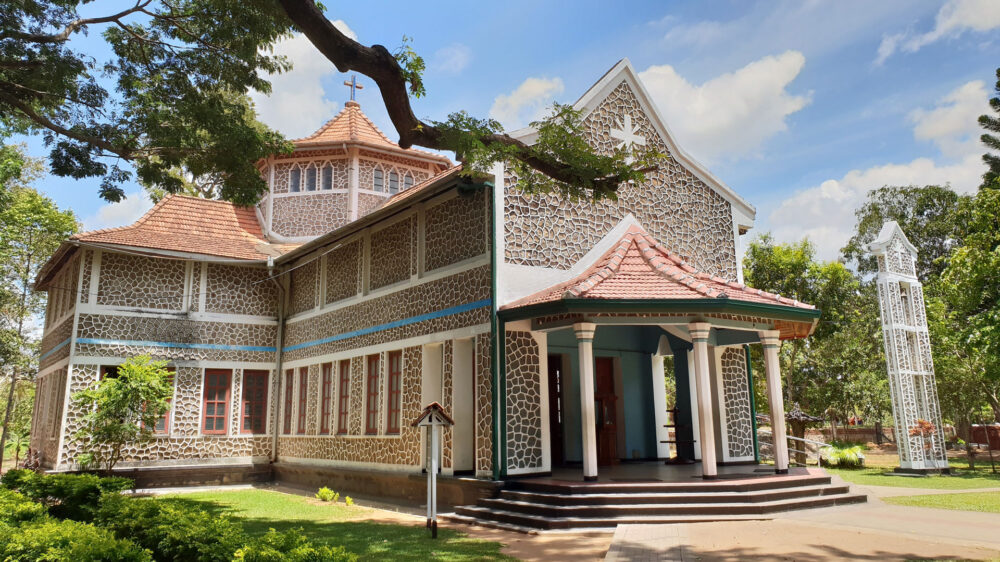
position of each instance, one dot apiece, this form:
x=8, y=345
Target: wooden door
x=606, y=408
x=556, y=409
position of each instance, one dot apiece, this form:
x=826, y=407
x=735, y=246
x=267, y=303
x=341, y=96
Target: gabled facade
x=308, y=332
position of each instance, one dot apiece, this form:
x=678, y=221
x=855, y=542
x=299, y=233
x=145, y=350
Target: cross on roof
x=628, y=134
x=353, y=83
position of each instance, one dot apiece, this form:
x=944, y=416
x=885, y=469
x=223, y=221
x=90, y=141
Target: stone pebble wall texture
x=233, y=289
x=736, y=401
x=343, y=272
x=46, y=423
x=140, y=282
x=391, y=251
x=310, y=214
x=457, y=229
x=524, y=396
x=305, y=285
x=677, y=208
x=484, y=407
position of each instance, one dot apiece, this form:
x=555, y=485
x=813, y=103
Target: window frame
x=244, y=402
x=344, y=397
x=378, y=180
x=166, y=416
x=408, y=181
x=325, y=398
x=301, y=421
x=295, y=179
x=373, y=366
x=393, y=182
x=326, y=174
x=289, y=397
x=393, y=393
x=225, y=402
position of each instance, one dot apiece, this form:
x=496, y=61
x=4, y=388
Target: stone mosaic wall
x=391, y=252
x=131, y=329
x=735, y=389
x=368, y=202
x=53, y=337
x=388, y=163
x=464, y=287
x=343, y=272
x=457, y=229
x=310, y=214
x=61, y=295
x=340, y=167
x=524, y=408
x=141, y=282
x=305, y=283
x=677, y=208
x=88, y=265
x=447, y=399
x=484, y=406
x=401, y=450
x=184, y=440
x=240, y=290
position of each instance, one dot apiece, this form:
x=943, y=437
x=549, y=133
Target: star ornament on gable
x=627, y=133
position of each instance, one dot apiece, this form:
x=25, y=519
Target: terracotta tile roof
x=352, y=125
x=189, y=224
x=450, y=172
x=639, y=267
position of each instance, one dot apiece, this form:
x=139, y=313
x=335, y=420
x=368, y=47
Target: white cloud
x=451, y=59
x=729, y=116
x=825, y=213
x=122, y=213
x=953, y=124
x=298, y=105
x=526, y=103
x=953, y=19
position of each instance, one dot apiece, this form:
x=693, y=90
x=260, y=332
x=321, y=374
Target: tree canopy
x=171, y=98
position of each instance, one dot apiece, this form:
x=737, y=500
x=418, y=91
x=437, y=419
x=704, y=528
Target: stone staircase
x=536, y=504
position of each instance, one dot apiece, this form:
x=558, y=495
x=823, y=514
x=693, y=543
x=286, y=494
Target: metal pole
x=432, y=500
x=430, y=456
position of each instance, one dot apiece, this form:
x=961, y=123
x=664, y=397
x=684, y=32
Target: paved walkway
x=872, y=531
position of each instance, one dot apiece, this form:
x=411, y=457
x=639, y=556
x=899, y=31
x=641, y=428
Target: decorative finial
x=353, y=83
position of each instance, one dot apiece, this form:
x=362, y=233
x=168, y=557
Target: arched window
x=294, y=179
x=378, y=180
x=311, y=178
x=407, y=182
x=328, y=177
x=393, y=182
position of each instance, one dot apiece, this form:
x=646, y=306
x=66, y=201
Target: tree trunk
x=22, y=312
x=8, y=411
x=799, y=430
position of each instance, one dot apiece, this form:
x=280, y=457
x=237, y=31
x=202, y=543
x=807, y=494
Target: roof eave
x=672, y=306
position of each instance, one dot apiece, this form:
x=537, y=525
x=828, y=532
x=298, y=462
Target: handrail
x=819, y=445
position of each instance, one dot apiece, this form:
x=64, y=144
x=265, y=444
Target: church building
x=308, y=332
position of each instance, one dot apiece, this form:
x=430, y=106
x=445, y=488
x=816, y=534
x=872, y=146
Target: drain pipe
x=279, y=345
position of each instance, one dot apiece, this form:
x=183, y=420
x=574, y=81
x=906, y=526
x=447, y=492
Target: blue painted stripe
x=54, y=349
x=100, y=341
x=395, y=324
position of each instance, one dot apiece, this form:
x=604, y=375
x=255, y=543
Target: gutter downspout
x=278, y=354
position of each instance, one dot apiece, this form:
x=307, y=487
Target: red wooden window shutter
x=327, y=399
x=394, y=395
x=289, y=389
x=254, y=406
x=371, y=418
x=303, y=398
x=344, y=396
x=216, y=406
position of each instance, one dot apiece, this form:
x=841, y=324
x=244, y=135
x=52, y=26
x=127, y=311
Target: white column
x=588, y=419
x=660, y=408
x=706, y=426
x=774, y=397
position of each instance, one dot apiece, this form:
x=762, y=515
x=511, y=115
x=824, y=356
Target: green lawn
x=338, y=525
x=966, y=501
x=960, y=480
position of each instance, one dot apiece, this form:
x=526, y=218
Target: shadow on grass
x=369, y=540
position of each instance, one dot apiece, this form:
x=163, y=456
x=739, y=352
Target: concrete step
x=584, y=517
x=671, y=498
x=693, y=487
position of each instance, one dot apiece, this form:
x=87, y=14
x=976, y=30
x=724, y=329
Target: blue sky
x=800, y=106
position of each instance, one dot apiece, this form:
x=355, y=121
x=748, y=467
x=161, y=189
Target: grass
x=959, y=480
x=339, y=525
x=988, y=502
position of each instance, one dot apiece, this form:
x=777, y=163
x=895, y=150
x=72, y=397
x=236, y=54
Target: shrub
x=69, y=496
x=843, y=457
x=50, y=539
x=172, y=531
x=348, y=500
x=290, y=546
x=327, y=495
x=16, y=509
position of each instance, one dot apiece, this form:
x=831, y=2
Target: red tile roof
x=639, y=267
x=352, y=125
x=189, y=224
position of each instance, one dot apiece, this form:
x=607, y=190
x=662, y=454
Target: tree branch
x=73, y=26
x=381, y=66
x=57, y=128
